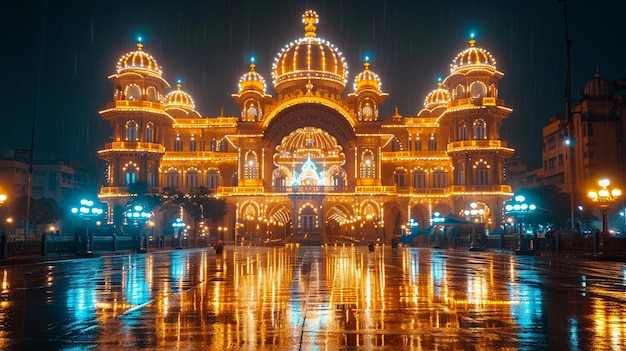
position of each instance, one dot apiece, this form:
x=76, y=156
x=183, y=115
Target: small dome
x=473, y=58
x=138, y=61
x=366, y=79
x=310, y=62
x=309, y=141
x=438, y=97
x=179, y=99
x=598, y=87
x=252, y=81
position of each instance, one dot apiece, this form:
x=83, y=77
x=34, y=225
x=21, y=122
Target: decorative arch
x=133, y=92
x=152, y=94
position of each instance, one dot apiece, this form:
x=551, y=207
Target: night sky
x=58, y=54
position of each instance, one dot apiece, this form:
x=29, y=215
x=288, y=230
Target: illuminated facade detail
x=315, y=163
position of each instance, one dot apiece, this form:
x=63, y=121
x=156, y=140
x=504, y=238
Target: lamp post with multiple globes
x=604, y=197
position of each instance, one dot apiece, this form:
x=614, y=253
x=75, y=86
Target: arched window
x=130, y=173
x=151, y=94
x=477, y=90
x=481, y=173
x=368, y=168
x=462, y=130
x=419, y=179
x=432, y=142
x=251, y=168
x=133, y=92
x=150, y=132
x=172, y=178
x=307, y=219
x=178, y=143
x=131, y=131
x=192, y=178
x=396, y=145
x=480, y=129
x=439, y=178
x=398, y=178
x=212, y=179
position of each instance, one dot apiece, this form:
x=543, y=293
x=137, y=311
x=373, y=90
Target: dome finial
x=139, y=44
x=439, y=83
x=472, y=41
x=366, y=64
x=252, y=65
x=179, y=84
x=310, y=19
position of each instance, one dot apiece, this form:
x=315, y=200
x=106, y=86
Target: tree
x=45, y=211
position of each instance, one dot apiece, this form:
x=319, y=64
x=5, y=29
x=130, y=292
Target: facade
x=314, y=163
x=590, y=147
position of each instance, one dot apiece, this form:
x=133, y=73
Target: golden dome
x=309, y=141
x=366, y=79
x=252, y=81
x=179, y=99
x=438, y=97
x=310, y=59
x=138, y=61
x=473, y=58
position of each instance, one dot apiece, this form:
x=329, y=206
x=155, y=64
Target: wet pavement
x=314, y=298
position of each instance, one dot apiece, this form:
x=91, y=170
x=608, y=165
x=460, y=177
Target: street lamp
x=604, y=197
x=519, y=208
x=87, y=211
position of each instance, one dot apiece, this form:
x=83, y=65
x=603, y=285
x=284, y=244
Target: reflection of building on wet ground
x=315, y=162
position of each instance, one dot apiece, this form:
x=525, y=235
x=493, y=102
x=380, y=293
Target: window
x=151, y=94
x=479, y=129
x=396, y=145
x=481, y=173
x=172, y=179
x=398, y=178
x=432, y=143
x=212, y=179
x=419, y=179
x=460, y=174
x=462, y=130
x=133, y=92
x=150, y=132
x=418, y=143
x=192, y=179
x=251, y=168
x=439, y=178
x=368, y=169
x=151, y=180
x=131, y=131
x=192, y=143
x=178, y=144
x=131, y=177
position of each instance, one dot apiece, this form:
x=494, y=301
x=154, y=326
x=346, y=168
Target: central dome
x=310, y=63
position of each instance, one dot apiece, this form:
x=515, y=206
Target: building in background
x=315, y=163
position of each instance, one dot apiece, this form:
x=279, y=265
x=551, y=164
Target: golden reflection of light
x=5, y=282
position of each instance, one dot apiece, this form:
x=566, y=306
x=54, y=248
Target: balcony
x=199, y=156
x=132, y=146
x=476, y=144
x=414, y=155
x=137, y=104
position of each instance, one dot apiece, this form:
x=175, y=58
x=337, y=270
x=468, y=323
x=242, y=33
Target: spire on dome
x=310, y=19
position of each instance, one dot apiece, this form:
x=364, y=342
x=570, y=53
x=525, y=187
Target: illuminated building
x=593, y=141
x=314, y=163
